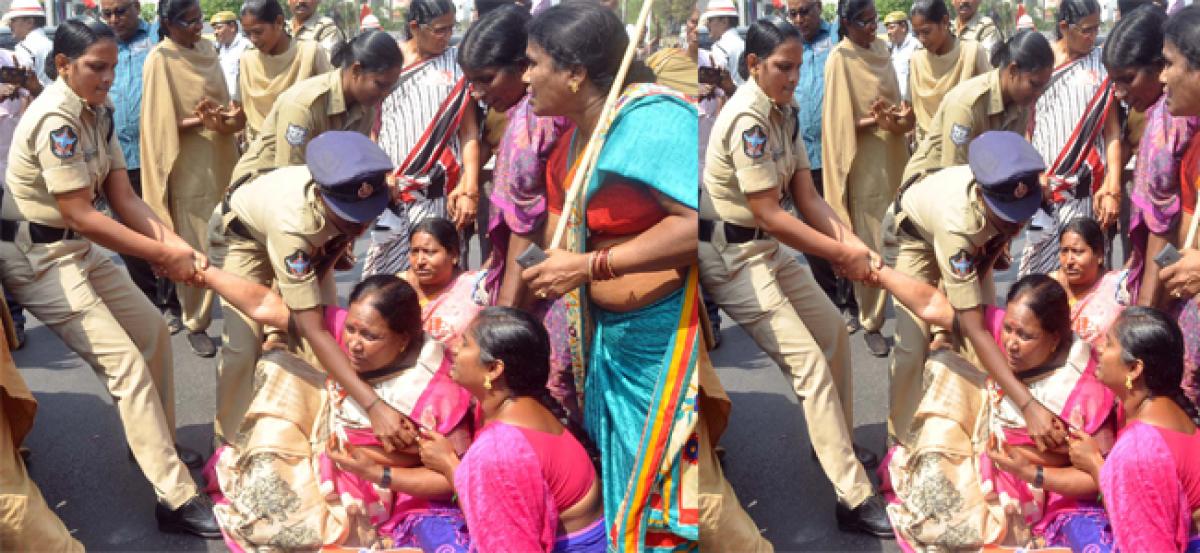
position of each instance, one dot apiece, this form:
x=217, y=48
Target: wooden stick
x=595, y=143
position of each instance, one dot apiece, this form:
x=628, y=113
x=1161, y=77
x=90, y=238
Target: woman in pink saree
x=973, y=476
x=305, y=470
x=1096, y=296
x=1151, y=478
x=527, y=483
x=450, y=296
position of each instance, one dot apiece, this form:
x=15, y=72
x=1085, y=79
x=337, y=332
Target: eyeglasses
x=190, y=22
x=863, y=23
x=801, y=12
x=1089, y=30
x=115, y=12
x=439, y=31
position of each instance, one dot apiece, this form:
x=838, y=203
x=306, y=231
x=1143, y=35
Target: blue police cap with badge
x=351, y=171
x=1007, y=167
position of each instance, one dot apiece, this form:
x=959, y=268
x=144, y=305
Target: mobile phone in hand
x=1167, y=257
x=12, y=75
x=532, y=255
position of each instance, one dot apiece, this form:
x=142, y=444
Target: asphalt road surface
x=80, y=460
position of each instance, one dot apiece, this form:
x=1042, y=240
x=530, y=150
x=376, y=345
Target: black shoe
x=174, y=324
x=194, y=517
x=877, y=344
x=869, y=518
x=192, y=459
x=25, y=453
x=202, y=345
x=863, y=455
x=716, y=332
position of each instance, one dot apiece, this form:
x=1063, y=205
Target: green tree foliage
x=209, y=7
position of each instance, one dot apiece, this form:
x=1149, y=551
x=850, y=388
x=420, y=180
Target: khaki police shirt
x=61, y=145
x=305, y=110
x=980, y=28
x=283, y=212
x=973, y=107
x=947, y=212
x=755, y=145
x=323, y=30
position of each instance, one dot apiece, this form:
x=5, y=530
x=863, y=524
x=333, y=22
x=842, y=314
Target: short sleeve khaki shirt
x=755, y=146
x=61, y=145
x=973, y=107
x=283, y=212
x=305, y=110
x=946, y=211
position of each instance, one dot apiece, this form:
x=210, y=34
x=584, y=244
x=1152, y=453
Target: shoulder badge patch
x=959, y=134
x=754, y=142
x=295, y=134
x=962, y=265
x=63, y=142
x=298, y=264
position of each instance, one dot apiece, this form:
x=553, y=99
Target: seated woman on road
x=1151, y=479
x=1096, y=296
x=526, y=483
x=450, y=297
x=344, y=487
x=1006, y=491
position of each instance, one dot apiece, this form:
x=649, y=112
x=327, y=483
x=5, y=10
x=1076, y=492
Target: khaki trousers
x=724, y=524
x=870, y=188
x=26, y=522
x=916, y=259
x=242, y=337
x=190, y=215
x=776, y=301
x=91, y=304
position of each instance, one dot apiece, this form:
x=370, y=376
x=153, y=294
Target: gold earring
x=574, y=86
x=1129, y=382
x=487, y=383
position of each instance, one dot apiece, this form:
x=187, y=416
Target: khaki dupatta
x=173, y=82
x=263, y=77
x=854, y=78
x=932, y=76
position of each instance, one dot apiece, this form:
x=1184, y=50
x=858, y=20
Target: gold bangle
x=373, y=403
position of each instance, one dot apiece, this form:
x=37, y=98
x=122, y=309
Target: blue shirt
x=126, y=91
x=810, y=90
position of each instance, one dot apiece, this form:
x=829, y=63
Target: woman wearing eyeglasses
x=1077, y=131
x=188, y=147
x=429, y=126
x=863, y=146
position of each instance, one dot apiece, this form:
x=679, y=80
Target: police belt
x=734, y=234
x=38, y=233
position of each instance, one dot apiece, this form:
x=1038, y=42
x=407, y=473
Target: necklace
x=1141, y=405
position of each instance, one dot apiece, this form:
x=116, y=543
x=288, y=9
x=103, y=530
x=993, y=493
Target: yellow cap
x=895, y=17
x=223, y=17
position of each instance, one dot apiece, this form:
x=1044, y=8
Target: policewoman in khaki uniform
x=289, y=227
x=999, y=100
x=756, y=159
x=64, y=158
x=953, y=224
x=343, y=100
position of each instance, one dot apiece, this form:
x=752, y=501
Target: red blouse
x=619, y=208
